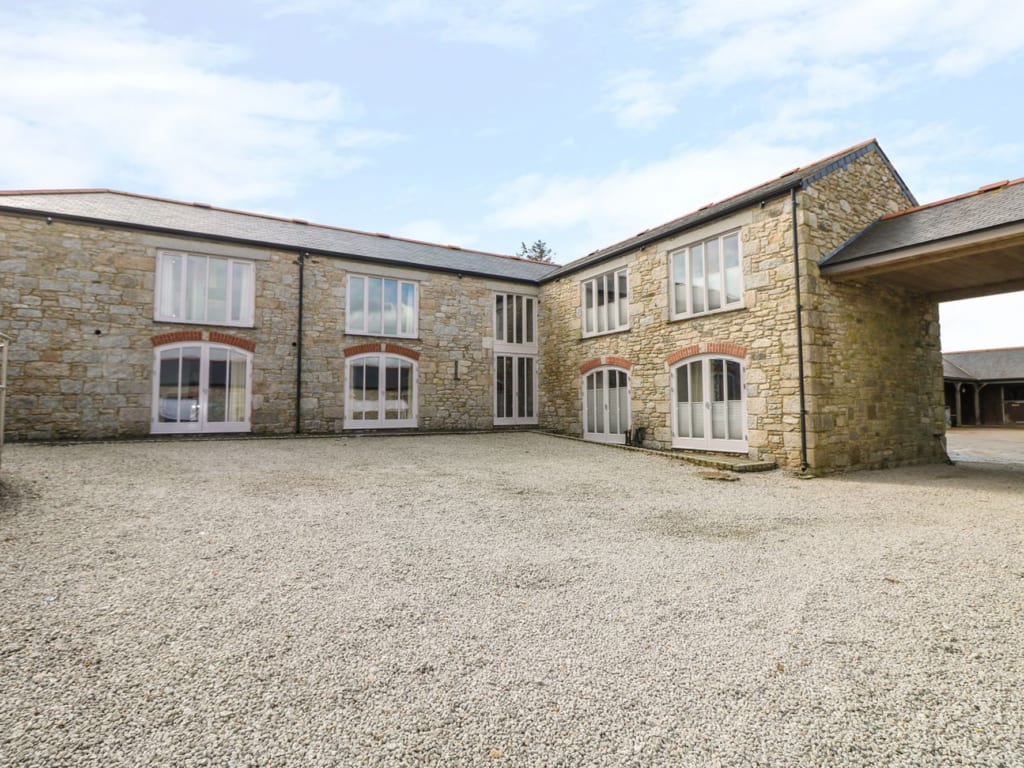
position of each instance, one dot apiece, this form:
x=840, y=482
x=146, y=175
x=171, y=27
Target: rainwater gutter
x=301, y=261
x=804, y=466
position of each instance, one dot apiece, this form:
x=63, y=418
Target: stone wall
x=78, y=301
x=763, y=333
x=872, y=359
x=873, y=353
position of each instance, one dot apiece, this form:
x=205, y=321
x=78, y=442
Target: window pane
x=408, y=309
x=697, y=398
x=588, y=306
x=529, y=321
x=356, y=304
x=509, y=387
x=591, y=381
x=679, y=284
x=390, y=307
x=601, y=302
x=374, y=297
x=623, y=298
x=217, y=392
x=696, y=264
x=528, y=399
x=241, y=292
x=599, y=401
x=521, y=387
x=236, y=387
x=731, y=259
x=195, y=288
x=714, y=275
x=499, y=317
x=682, y=402
x=170, y=285
x=217, y=291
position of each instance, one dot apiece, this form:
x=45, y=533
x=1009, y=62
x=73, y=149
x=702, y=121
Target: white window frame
x=613, y=315
x=353, y=328
x=680, y=263
x=514, y=318
x=381, y=422
x=171, y=308
x=705, y=407
x=518, y=415
x=200, y=406
x=515, y=322
x=604, y=436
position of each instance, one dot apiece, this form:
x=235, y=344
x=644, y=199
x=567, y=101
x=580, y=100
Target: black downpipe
x=298, y=345
x=799, y=338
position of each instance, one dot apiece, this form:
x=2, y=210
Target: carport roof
x=985, y=364
x=969, y=245
x=106, y=206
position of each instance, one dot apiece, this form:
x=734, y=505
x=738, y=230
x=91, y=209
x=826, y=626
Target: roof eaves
x=277, y=246
x=797, y=178
x=824, y=262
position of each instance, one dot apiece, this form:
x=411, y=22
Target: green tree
x=539, y=251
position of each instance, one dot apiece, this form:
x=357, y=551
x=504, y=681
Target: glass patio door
x=201, y=388
x=709, y=410
x=606, y=405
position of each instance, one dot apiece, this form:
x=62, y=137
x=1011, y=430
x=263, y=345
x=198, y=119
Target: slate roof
x=797, y=178
x=985, y=364
x=991, y=206
x=198, y=219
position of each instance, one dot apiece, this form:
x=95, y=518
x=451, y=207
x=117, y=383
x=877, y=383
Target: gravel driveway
x=512, y=599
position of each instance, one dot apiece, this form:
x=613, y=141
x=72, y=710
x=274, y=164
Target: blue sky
x=487, y=124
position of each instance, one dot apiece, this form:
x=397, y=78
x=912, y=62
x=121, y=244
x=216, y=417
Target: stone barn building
x=719, y=331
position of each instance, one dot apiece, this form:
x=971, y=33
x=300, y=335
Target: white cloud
x=502, y=23
x=582, y=213
x=638, y=99
x=433, y=231
x=811, y=57
x=981, y=323
x=103, y=101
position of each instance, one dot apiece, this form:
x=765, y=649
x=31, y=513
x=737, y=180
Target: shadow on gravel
x=976, y=476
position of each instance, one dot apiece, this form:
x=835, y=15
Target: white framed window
x=515, y=389
x=380, y=391
x=606, y=405
x=515, y=359
x=709, y=404
x=382, y=306
x=201, y=387
x=606, y=303
x=515, y=321
x=707, y=276
x=206, y=290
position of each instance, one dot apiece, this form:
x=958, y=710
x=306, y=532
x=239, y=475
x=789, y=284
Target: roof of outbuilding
x=201, y=220
x=990, y=206
x=798, y=177
x=985, y=364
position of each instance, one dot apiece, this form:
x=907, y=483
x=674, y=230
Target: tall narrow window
x=606, y=303
x=381, y=306
x=515, y=359
x=206, y=290
x=707, y=277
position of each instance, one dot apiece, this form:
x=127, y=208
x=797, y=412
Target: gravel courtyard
x=511, y=599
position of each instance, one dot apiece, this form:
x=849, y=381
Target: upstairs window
x=210, y=290
x=381, y=306
x=606, y=303
x=706, y=277
x=515, y=320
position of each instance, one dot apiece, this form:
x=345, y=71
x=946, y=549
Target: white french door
x=606, y=405
x=709, y=405
x=201, y=388
x=515, y=389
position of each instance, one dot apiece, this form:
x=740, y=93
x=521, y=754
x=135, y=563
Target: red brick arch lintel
x=710, y=348
x=613, y=360
x=377, y=346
